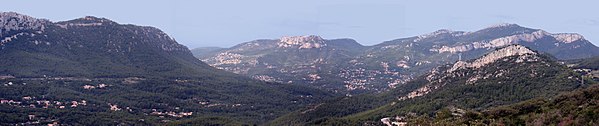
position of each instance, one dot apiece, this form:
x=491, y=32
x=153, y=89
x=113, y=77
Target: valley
x=347, y=67
x=127, y=75
x=96, y=71
x=502, y=77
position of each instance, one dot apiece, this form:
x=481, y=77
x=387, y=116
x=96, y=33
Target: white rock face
x=10, y=21
x=302, y=42
x=499, y=42
x=439, y=32
x=420, y=92
x=522, y=37
x=94, y=21
x=567, y=37
x=512, y=50
x=508, y=40
x=435, y=79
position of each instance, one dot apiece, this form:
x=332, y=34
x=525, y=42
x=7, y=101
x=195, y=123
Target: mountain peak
x=442, y=31
x=504, y=25
x=511, y=50
x=302, y=42
x=97, y=19
x=520, y=53
x=11, y=14
x=10, y=21
x=439, y=32
x=14, y=15
x=306, y=38
x=506, y=29
x=86, y=21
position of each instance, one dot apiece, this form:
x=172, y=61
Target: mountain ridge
x=66, y=42
x=359, y=69
x=511, y=77
x=93, y=71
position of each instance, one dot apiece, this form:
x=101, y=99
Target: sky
x=225, y=23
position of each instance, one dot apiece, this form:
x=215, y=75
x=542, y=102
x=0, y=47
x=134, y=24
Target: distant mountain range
x=501, y=77
x=94, y=71
x=345, y=66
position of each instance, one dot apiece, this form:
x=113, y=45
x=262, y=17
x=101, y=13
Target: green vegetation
x=589, y=63
x=105, y=73
x=541, y=78
x=251, y=103
x=142, y=70
x=575, y=108
x=109, y=50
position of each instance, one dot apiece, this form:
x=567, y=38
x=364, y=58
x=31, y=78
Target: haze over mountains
x=504, y=76
x=94, y=71
x=343, y=65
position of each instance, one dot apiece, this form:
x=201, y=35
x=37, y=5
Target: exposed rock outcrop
x=440, y=32
x=302, y=42
x=438, y=79
x=11, y=21
x=512, y=50
x=508, y=40
x=567, y=37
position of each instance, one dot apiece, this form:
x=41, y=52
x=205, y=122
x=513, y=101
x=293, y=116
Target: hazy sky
x=225, y=23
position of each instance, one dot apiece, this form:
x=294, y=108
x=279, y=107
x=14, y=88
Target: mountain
x=307, y=60
x=503, y=76
x=94, y=71
x=568, y=108
x=344, y=66
x=91, y=47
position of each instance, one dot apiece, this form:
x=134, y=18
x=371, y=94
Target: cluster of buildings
x=171, y=113
x=100, y=86
x=31, y=102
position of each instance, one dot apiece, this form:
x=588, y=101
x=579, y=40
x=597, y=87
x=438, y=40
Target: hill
x=346, y=67
x=94, y=71
x=504, y=76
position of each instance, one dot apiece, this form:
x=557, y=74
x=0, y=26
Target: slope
x=348, y=68
x=94, y=71
x=504, y=76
